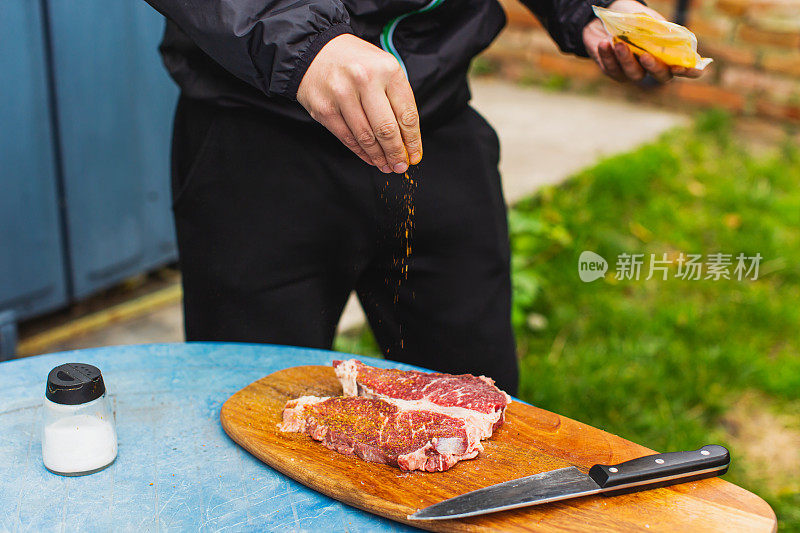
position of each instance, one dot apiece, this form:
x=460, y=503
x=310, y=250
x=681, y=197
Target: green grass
x=661, y=362
x=482, y=66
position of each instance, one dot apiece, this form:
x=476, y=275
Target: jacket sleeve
x=267, y=43
x=565, y=20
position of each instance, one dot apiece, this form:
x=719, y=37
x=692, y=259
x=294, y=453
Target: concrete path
x=545, y=137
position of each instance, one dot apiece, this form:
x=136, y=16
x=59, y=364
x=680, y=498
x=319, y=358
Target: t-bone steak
x=395, y=432
x=473, y=398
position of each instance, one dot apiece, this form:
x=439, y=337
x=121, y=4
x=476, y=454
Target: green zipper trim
x=387, y=34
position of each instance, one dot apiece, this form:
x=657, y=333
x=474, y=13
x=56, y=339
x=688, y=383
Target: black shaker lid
x=74, y=383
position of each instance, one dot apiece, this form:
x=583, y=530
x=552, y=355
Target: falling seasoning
x=399, y=197
x=406, y=233
x=407, y=224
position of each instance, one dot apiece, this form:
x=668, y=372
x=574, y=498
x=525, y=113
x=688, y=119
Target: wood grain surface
x=531, y=441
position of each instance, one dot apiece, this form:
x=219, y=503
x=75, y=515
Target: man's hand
x=359, y=92
x=617, y=61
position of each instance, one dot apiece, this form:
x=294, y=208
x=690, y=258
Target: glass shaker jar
x=78, y=433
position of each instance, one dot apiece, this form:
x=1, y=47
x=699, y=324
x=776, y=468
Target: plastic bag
x=671, y=43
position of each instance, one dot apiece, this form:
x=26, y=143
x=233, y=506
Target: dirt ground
x=767, y=437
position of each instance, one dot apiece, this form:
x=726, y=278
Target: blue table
x=176, y=468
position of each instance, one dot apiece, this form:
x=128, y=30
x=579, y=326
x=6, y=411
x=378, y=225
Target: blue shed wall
x=32, y=273
x=115, y=105
x=104, y=144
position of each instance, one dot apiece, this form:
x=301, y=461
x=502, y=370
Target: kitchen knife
x=637, y=474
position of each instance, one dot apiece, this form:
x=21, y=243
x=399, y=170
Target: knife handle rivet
x=705, y=452
x=660, y=461
x=613, y=470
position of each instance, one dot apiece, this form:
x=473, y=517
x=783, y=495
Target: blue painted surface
x=176, y=469
x=115, y=108
x=32, y=276
x=8, y=335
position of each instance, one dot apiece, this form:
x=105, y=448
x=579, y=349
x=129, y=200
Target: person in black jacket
x=296, y=122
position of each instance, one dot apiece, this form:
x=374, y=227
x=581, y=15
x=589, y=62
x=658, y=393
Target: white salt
x=78, y=443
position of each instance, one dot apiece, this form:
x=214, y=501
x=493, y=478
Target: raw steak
x=394, y=432
x=473, y=398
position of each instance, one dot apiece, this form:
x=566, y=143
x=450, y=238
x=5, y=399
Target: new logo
x=591, y=266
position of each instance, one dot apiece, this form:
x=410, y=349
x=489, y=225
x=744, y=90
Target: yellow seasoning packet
x=672, y=43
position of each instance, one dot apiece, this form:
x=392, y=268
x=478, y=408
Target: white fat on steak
x=472, y=398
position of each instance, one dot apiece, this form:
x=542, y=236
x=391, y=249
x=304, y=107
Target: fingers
x=385, y=127
x=360, y=93
x=363, y=133
x=657, y=68
x=620, y=63
x=630, y=66
x=337, y=125
x=608, y=60
x=401, y=99
x=685, y=72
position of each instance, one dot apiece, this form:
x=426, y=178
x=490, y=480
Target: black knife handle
x=662, y=469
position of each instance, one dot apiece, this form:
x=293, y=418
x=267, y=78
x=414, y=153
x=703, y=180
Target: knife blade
x=642, y=473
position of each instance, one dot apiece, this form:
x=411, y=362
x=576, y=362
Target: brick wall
x=755, y=45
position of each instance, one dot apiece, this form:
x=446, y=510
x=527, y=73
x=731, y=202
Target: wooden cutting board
x=531, y=441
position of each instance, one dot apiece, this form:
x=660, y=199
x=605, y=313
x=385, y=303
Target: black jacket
x=255, y=52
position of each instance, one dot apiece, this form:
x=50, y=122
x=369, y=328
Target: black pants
x=278, y=222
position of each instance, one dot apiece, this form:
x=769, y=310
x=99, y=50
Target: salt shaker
x=78, y=433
